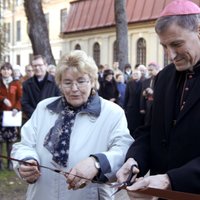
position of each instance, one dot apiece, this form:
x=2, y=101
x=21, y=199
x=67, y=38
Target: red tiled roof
x=92, y=14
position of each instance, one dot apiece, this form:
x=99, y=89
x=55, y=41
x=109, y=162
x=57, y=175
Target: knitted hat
x=108, y=72
x=180, y=7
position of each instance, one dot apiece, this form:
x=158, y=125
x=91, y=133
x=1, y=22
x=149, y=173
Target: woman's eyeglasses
x=79, y=84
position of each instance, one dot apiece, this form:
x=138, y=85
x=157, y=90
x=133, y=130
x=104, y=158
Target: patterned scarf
x=58, y=139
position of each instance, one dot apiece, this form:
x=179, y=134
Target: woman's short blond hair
x=80, y=62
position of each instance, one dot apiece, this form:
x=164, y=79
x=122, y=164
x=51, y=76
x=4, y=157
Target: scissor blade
x=117, y=185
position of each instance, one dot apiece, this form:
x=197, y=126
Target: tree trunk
x=37, y=30
x=3, y=35
x=2, y=42
x=121, y=32
x=1, y=49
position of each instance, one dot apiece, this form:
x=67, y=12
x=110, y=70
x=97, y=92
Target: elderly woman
x=79, y=132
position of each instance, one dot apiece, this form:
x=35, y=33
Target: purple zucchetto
x=180, y=7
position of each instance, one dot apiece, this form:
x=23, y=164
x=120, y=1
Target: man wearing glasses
x=39, y=87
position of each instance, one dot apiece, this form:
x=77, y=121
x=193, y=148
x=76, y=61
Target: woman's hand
x=157, y=181
x=29, y=173
x=85, y=168
x=7, y=102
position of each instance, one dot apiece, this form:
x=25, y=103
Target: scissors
x=126, y=183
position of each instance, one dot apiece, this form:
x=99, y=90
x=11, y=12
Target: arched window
x=96, y=53
x=141, y=51
x=115, y=51
x=77, y=47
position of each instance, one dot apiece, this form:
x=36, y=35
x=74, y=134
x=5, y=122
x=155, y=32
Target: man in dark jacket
x=168, y=146
x=132, y=102
x=146, y=96
x=39, y=87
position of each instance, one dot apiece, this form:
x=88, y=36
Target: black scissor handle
x=131, y=175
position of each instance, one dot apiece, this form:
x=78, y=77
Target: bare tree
x=37, y=29
x=2, y=42
x=121, y=32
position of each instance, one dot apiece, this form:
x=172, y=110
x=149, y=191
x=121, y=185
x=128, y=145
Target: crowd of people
x=131, y=88
x=100, y=124
x=123, y=87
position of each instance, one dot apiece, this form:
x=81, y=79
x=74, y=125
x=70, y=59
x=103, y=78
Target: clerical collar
x=196, y=68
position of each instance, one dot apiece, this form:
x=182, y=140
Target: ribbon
x=165, y=194
x=168, y=194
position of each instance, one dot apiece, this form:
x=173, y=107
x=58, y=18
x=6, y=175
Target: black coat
x=146, y=101
x=108, y=90
x=168, y=146
x=32, y=94
x=132, y=105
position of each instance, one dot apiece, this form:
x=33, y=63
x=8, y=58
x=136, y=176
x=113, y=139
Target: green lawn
x=4, y=174
x=11, y=187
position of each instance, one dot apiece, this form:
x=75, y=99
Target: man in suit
x=39, y=87
x=168, y=146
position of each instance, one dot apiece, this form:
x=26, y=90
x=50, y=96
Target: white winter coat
x=107, y=134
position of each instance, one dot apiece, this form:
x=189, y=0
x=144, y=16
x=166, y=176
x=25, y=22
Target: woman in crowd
x=108, y=87
x=121, y=87
x=10, y=95
x=79, y=132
